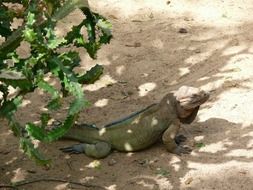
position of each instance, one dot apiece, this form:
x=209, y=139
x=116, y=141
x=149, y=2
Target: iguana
x=143, y=128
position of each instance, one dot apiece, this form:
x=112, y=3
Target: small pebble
x=112, y=162
x=197, y=51
x=188, y=181
x=31, y=171
x=182, y=31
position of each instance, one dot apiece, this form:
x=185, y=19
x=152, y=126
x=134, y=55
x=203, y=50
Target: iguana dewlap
x=142, y=129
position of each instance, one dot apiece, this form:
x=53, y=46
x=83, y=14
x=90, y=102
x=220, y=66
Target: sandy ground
x=147, y=58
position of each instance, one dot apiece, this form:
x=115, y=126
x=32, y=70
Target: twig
x=6, y=186
x=22, y=183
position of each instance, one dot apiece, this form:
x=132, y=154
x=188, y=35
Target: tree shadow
x=224, y=158
x=157, y=62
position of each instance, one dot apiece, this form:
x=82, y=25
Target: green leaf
x=70, y=83
x=68, y=7
x=38, y=29
x=68, y=74
x=29, y=35
x=4, y=90
x=80, y=101
x=162, y=172
x=200, y=145
x=12, y=42
x=106, y=28
x=52, y=40
x=32, y=152
x=95, y=24
x=48, y=88
x=39, y=133
x=75, y=34
x=36, y=132
x=6, y=18
x=14, y=56
x=44, y=118
x=15, y=79
x=5, y=31
x=60, y=131
x=9, y=107
x=92, y=75
x=70, y=59
x=92, y=49
x=30, y=20
x=52, y=5
x=104, y=25
x=15, y=127
x=54, y=104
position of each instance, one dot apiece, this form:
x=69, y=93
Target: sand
x=157, y=47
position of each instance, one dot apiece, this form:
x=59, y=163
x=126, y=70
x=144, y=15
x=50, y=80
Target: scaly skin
x=142, y=129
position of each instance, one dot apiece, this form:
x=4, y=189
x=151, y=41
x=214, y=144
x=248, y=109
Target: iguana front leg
x=168, y=139
x=180, y=139
x=97, y=150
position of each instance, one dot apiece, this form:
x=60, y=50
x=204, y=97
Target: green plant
x=40, y=18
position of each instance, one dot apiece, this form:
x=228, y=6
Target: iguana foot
x=97, y=150
x=181, y=150
x=74, y=149
x=180, y=139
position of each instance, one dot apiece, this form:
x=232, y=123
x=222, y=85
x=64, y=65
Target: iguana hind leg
x=97, y=150
x=168, y=139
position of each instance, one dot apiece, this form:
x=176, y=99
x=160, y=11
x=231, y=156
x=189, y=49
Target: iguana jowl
x=142, y=129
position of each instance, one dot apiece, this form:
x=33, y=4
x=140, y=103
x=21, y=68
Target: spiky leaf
x=92, y=75
x=55, y=103
x=60, y=131
x=80, y=101
x=52, y=40
x=36, y=132
x=44, y=118
x=15, y=127
x=9, y=107
x=98, y=30
x=33, y=153
x=4, y=90
x=48, y=88
x=40, y=134
x=68, y=7
x=15, y=79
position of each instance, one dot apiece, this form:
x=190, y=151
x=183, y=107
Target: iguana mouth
x=193, y=101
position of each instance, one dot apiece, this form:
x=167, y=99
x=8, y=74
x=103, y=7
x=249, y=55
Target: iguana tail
x=83, y=133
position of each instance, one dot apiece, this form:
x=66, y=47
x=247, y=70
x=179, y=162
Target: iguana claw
x=74, y=149
x=97, y=150
x=180, y=139
x=182, y=150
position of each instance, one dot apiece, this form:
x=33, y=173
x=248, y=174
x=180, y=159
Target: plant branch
x=22, y=183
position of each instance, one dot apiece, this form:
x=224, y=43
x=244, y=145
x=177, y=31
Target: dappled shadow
x=224, y=148
x=230, y=141
x=145, y=73
x=146, y=59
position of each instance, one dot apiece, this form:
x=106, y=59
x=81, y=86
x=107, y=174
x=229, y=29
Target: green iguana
x=143, y=128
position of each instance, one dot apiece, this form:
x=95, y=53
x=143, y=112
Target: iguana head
x=188, y=100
